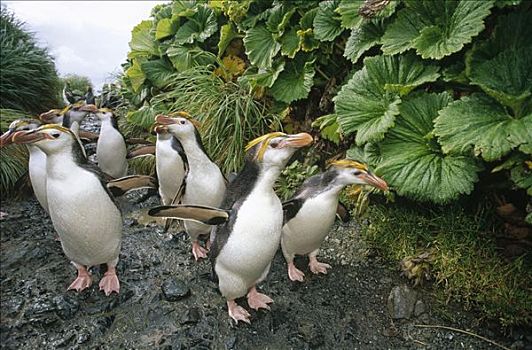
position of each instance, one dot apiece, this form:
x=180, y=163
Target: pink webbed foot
x=294, y=273
x=198, y=251
x=258, y=300
x=238, y=313
x=109, y=282
x=83, y=280
x=318, y=267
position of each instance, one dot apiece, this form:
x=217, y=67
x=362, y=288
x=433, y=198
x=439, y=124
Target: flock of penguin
x=244, y=220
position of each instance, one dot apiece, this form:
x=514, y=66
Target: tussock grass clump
x=464, y=262
x=28, y=79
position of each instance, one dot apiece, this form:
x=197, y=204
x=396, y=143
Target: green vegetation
x=458, y=252
x=28, y=80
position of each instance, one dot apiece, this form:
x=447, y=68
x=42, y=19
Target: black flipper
x=291, y=208
x=121, y=186
x=199, y=213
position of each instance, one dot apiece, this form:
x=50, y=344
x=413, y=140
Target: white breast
x=251, y=245
x=306, y=231
x=170, y=169
x=111, y=151
x=37, y=172
x=86, y=219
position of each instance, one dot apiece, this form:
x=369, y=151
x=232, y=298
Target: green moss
x=465, y=264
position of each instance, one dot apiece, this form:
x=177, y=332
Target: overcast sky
x=88, y=38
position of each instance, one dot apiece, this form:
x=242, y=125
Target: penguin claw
x=81, y=282
x=198, y=251
x=258, y=300
x=318, y=267
x=109, y=284
x=238, y=313
x=294, y=273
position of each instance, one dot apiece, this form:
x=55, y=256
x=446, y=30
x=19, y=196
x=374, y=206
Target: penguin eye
x=357, y=172
x=55, y=135
x=182, y=122
x=274, y=144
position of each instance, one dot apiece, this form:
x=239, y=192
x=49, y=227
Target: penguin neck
x=61, y=164
x=194, y=151
x=267, y=177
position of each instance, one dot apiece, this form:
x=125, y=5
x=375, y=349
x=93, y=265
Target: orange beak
x=162, y=119
x=375, y=181
x=160, y=129
x=23, y=137
x=7, y=138
x=297, y=140
x=88, y=108
x=47, y=117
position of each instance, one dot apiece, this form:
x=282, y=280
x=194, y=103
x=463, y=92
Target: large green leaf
x=142, y=41
x=290, y=44
x=184, y=8
x=185, y=57
x=158, y=72
x=199, y=26
x=261, y=46
x=362, y=39
x=295, y=82
x=369, y=102
x=166, y=27
x=279, y=17
x=507, y=77
x=143, y=117
x=326, y=24
x=136, y=75
x=227, y=34
x=479, y=121
x=265, y=77
x=436, y=28
x=413, y=163
x=349, y=16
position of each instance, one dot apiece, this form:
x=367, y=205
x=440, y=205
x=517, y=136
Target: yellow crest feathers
x=265, y=139
x=55, y=126
x=349, y=163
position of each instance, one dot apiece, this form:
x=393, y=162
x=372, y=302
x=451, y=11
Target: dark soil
x=346, y=309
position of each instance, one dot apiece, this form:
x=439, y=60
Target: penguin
x=37, y=158
x=82, y=210
x=111, y=148
x=203, y=184
x=171, y=165
x=70, y=117
x=249, y=222
x=310, y=214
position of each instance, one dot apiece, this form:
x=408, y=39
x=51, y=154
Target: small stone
x=419, y=308
x=192, y=316
x=401, y=302
x=174, y=290
x=130, y=222
x=83, y=338
x=230, y=342
x=12, y=306
x=67, y=306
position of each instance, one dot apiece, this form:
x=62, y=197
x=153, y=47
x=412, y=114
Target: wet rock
x=66, y=306
x=401, y=302
x=130, y=222
x=192, y=316
x=12, y=306
x=83, y=338
x=419, y=308
x=174, y=289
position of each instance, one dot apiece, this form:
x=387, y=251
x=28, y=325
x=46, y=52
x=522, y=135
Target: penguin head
x=53, y=116
x=50, y=138
x=180, y=124
x=25, y=124
x=79, y=110
x=351, y=172
x=102, y=113
x=275, y=149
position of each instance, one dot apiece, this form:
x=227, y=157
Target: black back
x=237, y=192
x=178, y=147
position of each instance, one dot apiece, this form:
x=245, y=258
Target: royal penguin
x=203, y=183
x=171, y=165
x=111, y=150
x=310, y=214
x=249, y=222
x=70, y=117
x=36, y=161
x=82, y=210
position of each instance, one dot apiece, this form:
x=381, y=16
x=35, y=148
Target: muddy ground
x=346, y=309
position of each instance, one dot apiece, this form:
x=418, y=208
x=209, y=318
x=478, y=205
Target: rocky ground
x=168, y=301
